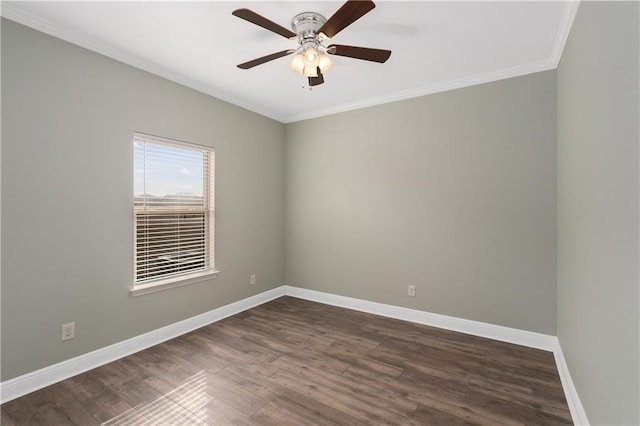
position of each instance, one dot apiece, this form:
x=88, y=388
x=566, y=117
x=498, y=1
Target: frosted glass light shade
x=325, y=63
x=297, y=63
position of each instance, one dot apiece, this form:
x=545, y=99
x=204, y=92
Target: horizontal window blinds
x=173, y=209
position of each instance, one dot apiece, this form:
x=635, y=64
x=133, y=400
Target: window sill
x=169, y=283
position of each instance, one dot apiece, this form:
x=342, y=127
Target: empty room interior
x=416, y=213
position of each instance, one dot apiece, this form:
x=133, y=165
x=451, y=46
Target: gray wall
x=453, y=192
x=598, y=210
x=67, y=126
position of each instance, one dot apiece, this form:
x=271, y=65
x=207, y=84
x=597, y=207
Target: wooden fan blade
x=349, y=13
x=260, y=61
x=261, y=21
x=365, y=53
x=314, y=81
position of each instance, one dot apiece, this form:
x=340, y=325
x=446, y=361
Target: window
x=173, y=213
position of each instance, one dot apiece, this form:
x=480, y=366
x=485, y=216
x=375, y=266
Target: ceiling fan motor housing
x=306, y=25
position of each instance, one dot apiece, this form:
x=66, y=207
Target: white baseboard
x=30, y=382
x=578, y=414
x=504, y=334
x=33, y=381
x=481, y=329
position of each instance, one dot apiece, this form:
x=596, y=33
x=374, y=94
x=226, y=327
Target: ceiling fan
x=311, y=29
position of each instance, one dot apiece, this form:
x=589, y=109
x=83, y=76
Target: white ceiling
x=436, y=46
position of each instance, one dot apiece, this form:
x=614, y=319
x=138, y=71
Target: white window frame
x=181, y=279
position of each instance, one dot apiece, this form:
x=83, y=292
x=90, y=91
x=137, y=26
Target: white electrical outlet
x=68, y=331
x=411, y=291
x=253, y=279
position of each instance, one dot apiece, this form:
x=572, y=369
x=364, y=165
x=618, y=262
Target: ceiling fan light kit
x=307, y=61
x=310, y=29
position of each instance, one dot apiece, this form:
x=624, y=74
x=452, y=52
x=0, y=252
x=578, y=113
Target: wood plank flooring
x=294, y=362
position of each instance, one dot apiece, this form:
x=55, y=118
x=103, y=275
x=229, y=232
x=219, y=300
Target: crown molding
x=428, y=90
x=568, y=15
x=15, y=14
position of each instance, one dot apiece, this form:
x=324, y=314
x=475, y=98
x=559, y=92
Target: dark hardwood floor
x=294, y=362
